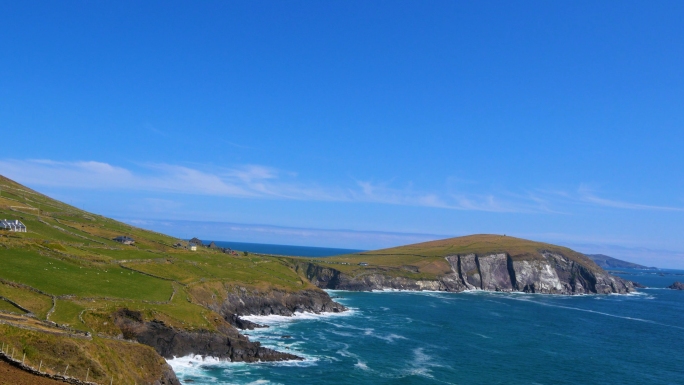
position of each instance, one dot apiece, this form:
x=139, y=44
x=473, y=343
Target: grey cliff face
x=549, y=274
x=245, y=302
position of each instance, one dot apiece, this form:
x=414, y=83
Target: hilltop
x=475, y=262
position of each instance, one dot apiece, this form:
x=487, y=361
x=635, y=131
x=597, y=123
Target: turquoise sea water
x=473, y=338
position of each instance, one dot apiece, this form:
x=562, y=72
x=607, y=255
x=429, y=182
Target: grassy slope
x=69, y=254
x=66, y=269
x=428, y=257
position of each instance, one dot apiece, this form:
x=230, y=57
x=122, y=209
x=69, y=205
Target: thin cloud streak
x=246, y=181
x=626, y=205
x=262, y=182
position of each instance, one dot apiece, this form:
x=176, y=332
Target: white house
x=125, y=240
x=12, y=225
x=192, y=247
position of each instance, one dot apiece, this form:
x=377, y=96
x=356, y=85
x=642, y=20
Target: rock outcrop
x=225, y=343
x=676, y=286
x=240, y=301
x=549, y=273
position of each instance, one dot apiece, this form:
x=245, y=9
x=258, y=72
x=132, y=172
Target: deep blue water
x=300, y=251
x=473, y=338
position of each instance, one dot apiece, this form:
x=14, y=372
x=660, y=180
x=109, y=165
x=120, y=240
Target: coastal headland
x=88, y=299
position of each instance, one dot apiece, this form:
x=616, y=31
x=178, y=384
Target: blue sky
x=353, y=123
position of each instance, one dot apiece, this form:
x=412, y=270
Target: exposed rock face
x=676, y=286
x=550, y=274
x=239, y=301
x=168, y=377
x=169, y=342
x=242, y=301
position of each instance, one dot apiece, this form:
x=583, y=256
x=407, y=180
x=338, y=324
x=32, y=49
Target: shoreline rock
x=676, y=286
x=170, y=342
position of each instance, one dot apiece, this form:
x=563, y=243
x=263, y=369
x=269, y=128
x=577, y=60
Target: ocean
x=299, y=251
x=472, y=338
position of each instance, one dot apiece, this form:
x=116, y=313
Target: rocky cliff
x=238, y=301
x=226, y=343
x=549, y=273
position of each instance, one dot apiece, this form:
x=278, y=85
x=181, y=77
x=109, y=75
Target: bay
x=472, y=338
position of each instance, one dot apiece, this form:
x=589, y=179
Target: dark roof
x=196, y=241
x=122, y=238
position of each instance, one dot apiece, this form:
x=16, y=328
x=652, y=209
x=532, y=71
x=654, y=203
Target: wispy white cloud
x=383, y=193
x=248, y=181
x=258, y=181
x=593, y=199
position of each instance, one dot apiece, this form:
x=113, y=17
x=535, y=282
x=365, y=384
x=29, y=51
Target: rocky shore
x=551, y=273
x=226, y=342
x=548, y=273
x=676, y=286
x=169, y=342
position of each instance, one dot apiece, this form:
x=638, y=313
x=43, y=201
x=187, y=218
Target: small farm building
x=12, y=225
x=125, y=240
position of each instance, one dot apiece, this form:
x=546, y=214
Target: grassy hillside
x=68, y=270
x=426, y=260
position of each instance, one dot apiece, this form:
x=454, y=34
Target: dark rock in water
x=286, y=336
x=244, y=324
x=676, y=286
x=226, y=343
x=637, y=285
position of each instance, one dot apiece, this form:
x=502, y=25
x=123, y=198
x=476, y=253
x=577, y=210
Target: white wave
x=195, y=365
x=422, y=364
x=482, y=335
x=273, y=319
x=391, y=337
x=361, y=365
